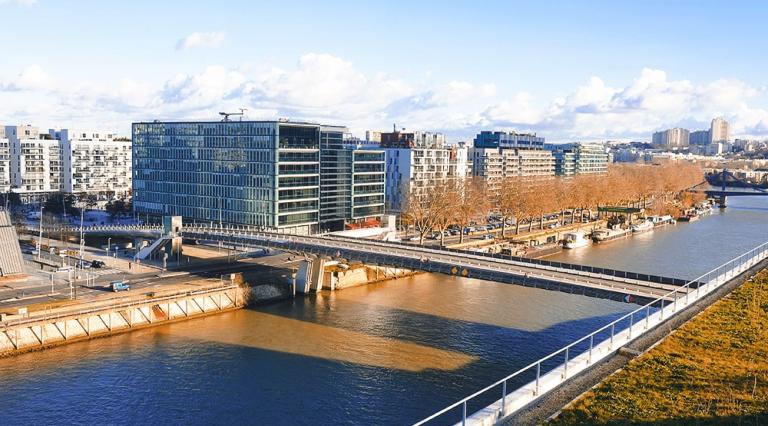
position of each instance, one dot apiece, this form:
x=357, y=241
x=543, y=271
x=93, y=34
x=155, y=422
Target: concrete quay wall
x=20, y=334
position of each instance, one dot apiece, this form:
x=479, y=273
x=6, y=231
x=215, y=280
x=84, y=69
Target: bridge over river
x=571, y=278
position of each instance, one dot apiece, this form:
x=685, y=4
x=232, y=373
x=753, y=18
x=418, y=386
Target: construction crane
x=226, y=115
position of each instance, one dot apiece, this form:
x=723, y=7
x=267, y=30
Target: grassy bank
x=712, y=370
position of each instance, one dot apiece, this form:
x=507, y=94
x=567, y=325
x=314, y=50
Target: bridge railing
x=235, y=233
x=549, y=372
x=548, y=263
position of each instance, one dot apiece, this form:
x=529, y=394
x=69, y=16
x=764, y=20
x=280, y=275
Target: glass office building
x=487, y=139
x=258, y=173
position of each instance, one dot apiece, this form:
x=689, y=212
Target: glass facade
x=258, y=173
x=351, y=182
x=487, y=139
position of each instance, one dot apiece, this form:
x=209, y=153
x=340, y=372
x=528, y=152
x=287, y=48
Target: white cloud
x=330, y=89
x=26, y=3
x=32, y=77
x=195, y=40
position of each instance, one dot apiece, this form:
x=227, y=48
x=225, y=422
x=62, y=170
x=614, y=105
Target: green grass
x=712, y=370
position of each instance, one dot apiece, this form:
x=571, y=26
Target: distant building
x=373, y=136
x=719, y=130
x=408, y=139
x=672, y=138
x=487, y=139
x=700, y=137
x=579, y=158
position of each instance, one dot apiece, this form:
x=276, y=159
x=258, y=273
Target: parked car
x=98, y=264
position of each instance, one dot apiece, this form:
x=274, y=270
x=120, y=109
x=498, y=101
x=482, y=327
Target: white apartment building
x=35, y=160
x=719, y=130
x=416, y=170
x=5, y=162
x=672, y=138
x=496, y=164
x=94, y=162
x=34, y=163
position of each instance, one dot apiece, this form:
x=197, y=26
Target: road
x=50, y=286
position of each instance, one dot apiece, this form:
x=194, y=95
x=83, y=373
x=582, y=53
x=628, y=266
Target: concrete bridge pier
x=721, y=201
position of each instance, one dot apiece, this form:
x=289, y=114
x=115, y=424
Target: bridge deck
x=433, y=260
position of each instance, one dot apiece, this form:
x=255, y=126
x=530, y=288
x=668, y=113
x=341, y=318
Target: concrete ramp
x=11, y=261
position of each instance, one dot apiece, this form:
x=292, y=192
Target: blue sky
x=568, y=70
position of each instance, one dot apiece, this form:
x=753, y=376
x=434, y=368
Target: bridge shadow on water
x=231, y=368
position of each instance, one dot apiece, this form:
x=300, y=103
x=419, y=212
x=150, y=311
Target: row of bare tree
x=526, y=199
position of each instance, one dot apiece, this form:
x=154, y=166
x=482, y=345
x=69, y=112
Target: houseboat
x=574, y=239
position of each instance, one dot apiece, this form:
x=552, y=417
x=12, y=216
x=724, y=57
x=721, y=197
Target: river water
x=389, y=353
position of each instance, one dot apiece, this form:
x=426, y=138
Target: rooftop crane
x=227, y=114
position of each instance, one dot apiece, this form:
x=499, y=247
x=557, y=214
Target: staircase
x=11, y=261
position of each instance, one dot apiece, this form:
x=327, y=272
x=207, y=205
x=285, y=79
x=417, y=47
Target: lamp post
x=82, y=238
x=40, y=237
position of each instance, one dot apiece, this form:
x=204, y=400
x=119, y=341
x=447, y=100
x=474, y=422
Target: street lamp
x=40, y=237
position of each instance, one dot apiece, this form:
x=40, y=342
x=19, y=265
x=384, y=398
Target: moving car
x=119, y=286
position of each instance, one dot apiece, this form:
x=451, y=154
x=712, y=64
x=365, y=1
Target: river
x=389, y=353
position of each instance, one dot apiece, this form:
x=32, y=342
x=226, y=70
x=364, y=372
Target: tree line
x=523, y=200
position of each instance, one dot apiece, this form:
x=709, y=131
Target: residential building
x=415, y=170
x=411, y=139
x=719, y=130
x=373, y=136
x=5, y=162
x=273, y=174
x=579, y=158
x=35, y=160
x=93, y=162
x=672, y=138
x=496, y=163
x=700, y=137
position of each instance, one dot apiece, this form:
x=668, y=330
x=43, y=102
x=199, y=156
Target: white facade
x=5, y=162
x=719, y=130
x=416, y=170
x=35, y=160
x=94, y=162
x=672, y=138
x=496, y=163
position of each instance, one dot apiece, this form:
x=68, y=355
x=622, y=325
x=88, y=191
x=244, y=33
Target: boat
x=607, y=234
x=643, y=226
x=574, y=239
x=662, y=220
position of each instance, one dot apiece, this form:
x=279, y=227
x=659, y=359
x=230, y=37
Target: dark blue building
x=487, y=139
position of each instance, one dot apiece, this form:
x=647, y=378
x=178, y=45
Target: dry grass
x=713, y=370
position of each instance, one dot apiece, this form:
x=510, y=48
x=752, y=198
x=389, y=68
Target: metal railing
x=639, y=321
x=239, y=234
